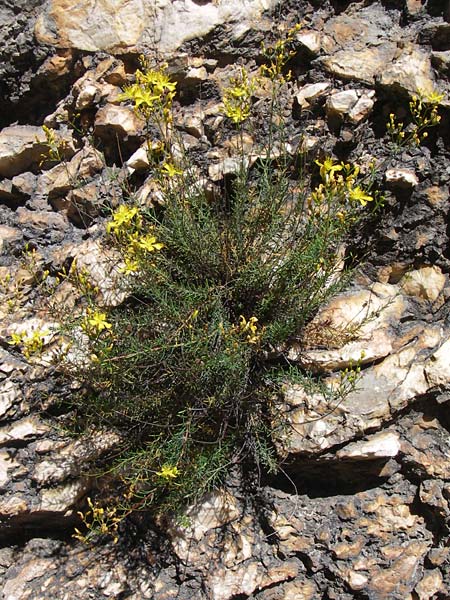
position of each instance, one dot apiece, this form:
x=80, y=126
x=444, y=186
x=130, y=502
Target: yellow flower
x=434, y=97
x=168, y=472
x=131, y=266
x=96, y=321
x=250, y=328
x=123, y=215
x=149, y=243
x=358, y=195
x=328, y=169
x=170, y=170
x=237, y=98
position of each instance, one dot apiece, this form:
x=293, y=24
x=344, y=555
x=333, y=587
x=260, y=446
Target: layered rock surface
x=361, y=509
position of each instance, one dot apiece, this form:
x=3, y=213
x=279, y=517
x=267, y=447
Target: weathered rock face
x=141, y=24
x=362, y=507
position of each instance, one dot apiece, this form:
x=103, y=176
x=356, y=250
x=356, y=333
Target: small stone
x=380, y=445
x=308, y=93
x=10, y=394
x=8, y=237
x=430, y=584
x=21, y=149
x=25, y=430
x=441, y=61
x=138, y=161
x=112, y=120
x=341, y=103
x=87, y=97
x=401, y=178
x=362, y=109
x=357, y=581
x=311, y=40
x=62, y=498
x=427, y=283
x=411, y=71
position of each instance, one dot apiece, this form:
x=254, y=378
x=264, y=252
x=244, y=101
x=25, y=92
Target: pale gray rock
x=112, y=121
x=379, y=445
x=136, y=24
x=22, y=147
x=401, y=178
x=308, y=93
x=340, y=103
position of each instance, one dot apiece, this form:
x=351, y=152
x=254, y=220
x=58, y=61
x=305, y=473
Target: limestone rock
x=60, y=179
x=401, y=178
x=24, y=430
x=427, y=283
x=358, y=324
x=22, y=147
x=308, y=93
x=318, y=421
x=379, y=445
x=112, y=121
x=340, y=103
x=411, y=71
x=126, y=25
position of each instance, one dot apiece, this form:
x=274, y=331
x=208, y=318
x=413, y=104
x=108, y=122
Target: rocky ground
x=362, y=509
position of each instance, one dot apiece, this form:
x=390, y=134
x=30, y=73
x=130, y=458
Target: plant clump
x=189, y=367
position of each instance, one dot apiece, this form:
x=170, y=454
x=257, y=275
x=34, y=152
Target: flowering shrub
x=187, y=368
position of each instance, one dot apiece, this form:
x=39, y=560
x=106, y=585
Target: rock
x=139, y=161
x=430, y=584
x=66, y=459
x=83, y=204
x=65, y=176
x=363, y=545
x=215, y=510
x=10, y=395
x=308, y=93
x=121, y=121
x=103, y=267
x=311, y=40
x=229, y=166
x=425, y=447
x=8, y=237
x=358, y=44
x=362, y=109
x=341, y=103
x=43, y=224
x=6, y=464
x=126, y=25
x=411, y=71
x=357, y=326
x=23, y=147
x=401, y=179
x=24, y=430
x=318, y=421
x=427, y=283
x=379, y=445
x=88, y=96
x=62, y=498
x=441, y=61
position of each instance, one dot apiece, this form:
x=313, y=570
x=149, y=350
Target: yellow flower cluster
x=98, y=521
x=249, y=329
x=237, y=98
x=278, y=56
x=153, y=92
x=339, y=179
x=424, y=112
x=126, y=226
x=31, y=342
x=95, y=322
